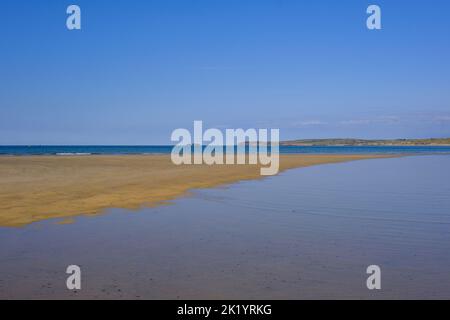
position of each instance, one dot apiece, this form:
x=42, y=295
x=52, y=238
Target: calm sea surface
x=82, y=150
x=306, y=233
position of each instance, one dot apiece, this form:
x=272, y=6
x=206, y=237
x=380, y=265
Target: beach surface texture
x=34, y=188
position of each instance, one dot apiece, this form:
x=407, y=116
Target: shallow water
x=306, y=233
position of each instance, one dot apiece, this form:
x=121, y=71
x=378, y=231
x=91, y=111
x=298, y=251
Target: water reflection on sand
x=307, y=233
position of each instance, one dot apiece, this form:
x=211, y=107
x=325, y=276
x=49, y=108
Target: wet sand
x=307, y=233
x=35, y=188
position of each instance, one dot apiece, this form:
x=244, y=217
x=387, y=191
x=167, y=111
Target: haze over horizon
x=134, y=73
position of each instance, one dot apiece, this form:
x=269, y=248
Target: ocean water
x=308, y=233
x=117, y=150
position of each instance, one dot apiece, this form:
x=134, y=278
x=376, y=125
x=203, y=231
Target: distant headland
x=365, y=142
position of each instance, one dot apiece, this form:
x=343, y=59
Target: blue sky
x=139, y=69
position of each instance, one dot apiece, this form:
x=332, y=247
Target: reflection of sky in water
x=307, y=233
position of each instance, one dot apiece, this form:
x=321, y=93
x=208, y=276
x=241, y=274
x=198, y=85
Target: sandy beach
x=34, y=188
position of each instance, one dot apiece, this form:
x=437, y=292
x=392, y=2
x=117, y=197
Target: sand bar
x=34, y=188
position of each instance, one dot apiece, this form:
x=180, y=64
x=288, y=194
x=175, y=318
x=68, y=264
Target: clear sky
x=139, y=69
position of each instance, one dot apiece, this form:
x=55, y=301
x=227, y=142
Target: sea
x=65, y=150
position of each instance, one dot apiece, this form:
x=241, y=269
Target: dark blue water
x=117, y=150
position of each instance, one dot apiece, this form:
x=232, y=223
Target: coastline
x=36, y=188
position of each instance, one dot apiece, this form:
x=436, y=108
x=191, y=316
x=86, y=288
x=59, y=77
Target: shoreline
x=35, y=188
x=284, y=148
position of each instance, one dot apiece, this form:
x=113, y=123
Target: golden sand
x=34, y=188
